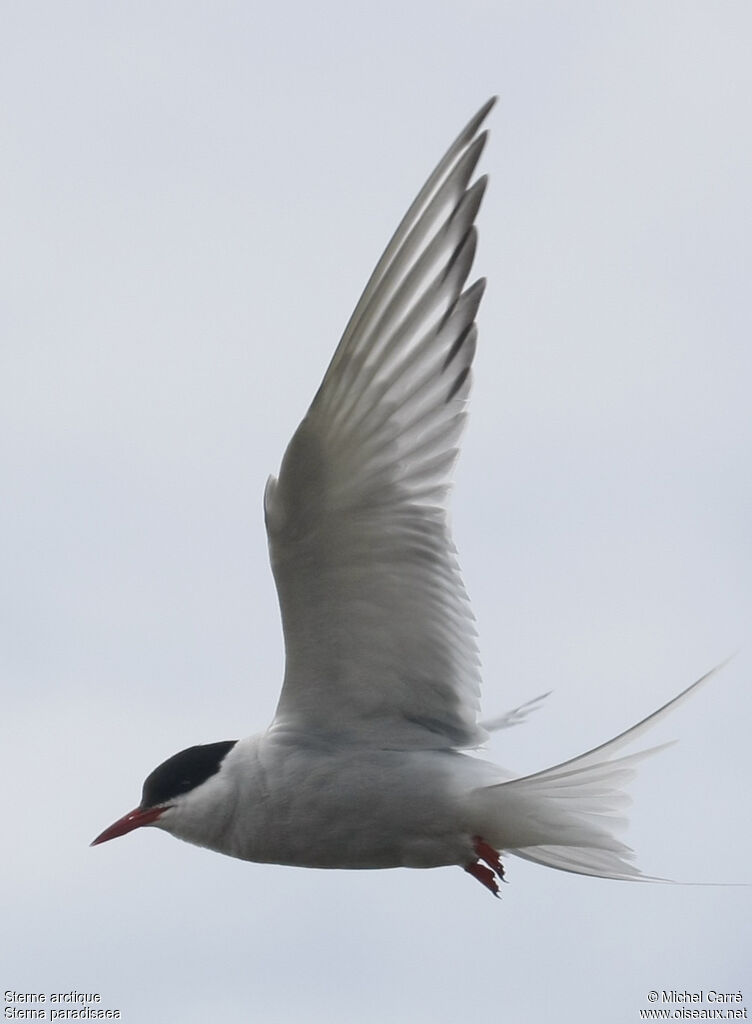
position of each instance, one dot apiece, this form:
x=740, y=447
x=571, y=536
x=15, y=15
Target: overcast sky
x=193, y=197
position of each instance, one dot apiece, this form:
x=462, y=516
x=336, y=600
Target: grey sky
x=194, y=197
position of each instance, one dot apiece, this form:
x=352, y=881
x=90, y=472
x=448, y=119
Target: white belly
x=350, y=808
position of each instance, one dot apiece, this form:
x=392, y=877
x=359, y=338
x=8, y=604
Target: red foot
x=486, y=875
x=489, y=855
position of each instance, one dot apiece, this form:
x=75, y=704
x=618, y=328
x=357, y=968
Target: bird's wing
x=379, y=638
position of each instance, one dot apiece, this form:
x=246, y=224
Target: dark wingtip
x=475, y=122
x=486, y=109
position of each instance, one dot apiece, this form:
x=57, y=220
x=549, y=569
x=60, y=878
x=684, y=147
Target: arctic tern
x=368, y=762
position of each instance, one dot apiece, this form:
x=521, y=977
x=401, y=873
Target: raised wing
x=379, y=638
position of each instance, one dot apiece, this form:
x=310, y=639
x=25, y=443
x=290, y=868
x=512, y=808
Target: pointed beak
x=134, y=819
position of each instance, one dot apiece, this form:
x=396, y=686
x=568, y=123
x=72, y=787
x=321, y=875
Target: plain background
x=193, y=197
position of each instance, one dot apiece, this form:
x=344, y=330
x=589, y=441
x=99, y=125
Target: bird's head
x=171, y=791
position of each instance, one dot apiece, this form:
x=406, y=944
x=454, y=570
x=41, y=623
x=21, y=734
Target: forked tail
x=567, y=816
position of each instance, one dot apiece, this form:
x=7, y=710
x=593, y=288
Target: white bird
x=363, y=765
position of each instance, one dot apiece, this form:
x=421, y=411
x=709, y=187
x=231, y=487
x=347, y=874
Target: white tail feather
x=566, y=816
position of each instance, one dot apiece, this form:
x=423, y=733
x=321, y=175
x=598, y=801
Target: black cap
x=184, y=771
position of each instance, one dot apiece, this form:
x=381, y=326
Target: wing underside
x=379, y=638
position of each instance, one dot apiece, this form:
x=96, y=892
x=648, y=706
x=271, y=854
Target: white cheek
x=200, y=816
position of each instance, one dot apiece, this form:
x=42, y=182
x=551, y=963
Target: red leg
x=489, y=855
x=486, y=875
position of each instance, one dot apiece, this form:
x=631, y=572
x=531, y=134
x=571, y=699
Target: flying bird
x=371, y=760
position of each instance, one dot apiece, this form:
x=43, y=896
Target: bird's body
x=366, y=762
x=338, y=807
